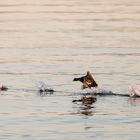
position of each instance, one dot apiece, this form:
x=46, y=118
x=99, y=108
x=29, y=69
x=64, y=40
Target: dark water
x=55, y=41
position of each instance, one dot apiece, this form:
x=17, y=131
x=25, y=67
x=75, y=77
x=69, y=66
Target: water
x=55, y=41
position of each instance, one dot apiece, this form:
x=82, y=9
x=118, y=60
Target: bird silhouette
x=87, y=80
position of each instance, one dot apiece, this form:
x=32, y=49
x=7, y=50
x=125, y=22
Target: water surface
x=55, y=41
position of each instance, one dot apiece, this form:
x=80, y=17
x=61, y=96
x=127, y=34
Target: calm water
x=53, y=41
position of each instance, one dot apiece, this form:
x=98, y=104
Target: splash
x=135, y=91
x=43, y=89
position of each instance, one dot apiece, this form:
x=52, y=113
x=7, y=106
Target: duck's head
x=81, y=79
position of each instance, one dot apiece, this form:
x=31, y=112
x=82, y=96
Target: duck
x=87, y=80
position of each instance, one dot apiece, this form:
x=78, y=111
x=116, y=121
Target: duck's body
x=87, y=81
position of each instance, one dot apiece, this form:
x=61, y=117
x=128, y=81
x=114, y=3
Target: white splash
x=135, y=91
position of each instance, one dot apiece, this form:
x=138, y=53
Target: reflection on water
x=134, y=101
x=86, y=110
x=52, y=41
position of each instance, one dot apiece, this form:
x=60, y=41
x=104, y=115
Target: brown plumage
x=87, y=81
